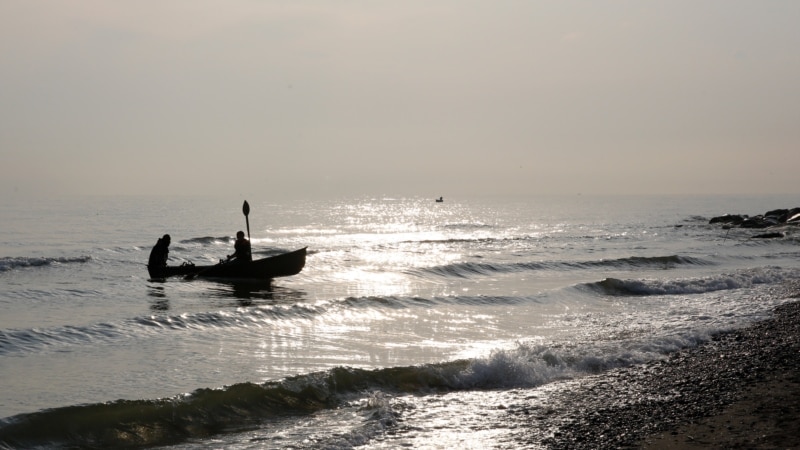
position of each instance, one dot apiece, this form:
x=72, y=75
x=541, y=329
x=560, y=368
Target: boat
x=264, y=269
x=283, y=265
x=171, y=271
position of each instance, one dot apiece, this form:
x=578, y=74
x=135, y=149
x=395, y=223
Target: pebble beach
x=741, y=390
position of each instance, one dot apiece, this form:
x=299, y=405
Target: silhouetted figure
x=241, y=248
x=160, y=252
x=440, y=200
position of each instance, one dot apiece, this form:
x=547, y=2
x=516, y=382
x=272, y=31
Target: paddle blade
x=246, y=208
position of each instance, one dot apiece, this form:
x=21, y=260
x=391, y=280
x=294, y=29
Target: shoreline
x=739, y=390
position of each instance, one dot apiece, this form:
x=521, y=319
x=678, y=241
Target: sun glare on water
x=381, y=245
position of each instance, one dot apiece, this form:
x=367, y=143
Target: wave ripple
x=11, y=263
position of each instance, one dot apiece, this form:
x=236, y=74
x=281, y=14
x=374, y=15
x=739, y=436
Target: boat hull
x=283, y=265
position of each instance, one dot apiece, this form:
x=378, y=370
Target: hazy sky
x=272, y=99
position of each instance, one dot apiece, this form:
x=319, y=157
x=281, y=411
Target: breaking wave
x=721, y=282
x=207, y=240
x=469, y=269
x=11, y=263
x=141, y=423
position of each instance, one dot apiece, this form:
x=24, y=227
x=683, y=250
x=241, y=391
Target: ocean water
x=413, y=324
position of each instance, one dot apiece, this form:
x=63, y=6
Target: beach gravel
x=740, y=390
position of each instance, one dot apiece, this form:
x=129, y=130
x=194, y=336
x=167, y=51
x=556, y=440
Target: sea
x=414, y=323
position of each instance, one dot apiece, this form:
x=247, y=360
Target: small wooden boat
x=172, y=271
x=283, y=265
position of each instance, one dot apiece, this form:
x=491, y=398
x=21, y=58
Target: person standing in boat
x=241, y=247
x=160, y=252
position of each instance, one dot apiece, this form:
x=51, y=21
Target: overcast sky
x=295, y=98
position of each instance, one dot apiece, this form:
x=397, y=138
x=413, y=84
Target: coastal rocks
x=773, y=235
x=728, y=219
x=769, y=219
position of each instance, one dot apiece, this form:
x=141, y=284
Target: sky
x=293, y=99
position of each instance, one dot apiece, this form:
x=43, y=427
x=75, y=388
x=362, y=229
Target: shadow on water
x=253, y=293
x=156, y=291
x=160, y=302
x=245, y=293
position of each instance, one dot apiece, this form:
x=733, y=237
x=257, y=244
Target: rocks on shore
x=774, y=218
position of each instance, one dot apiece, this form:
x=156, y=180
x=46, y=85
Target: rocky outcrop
x=772, y=218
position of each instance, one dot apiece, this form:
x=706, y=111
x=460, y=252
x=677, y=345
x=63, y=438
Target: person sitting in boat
x=160, y=252
x=241, y=248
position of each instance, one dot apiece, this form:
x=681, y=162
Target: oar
x=246, y=211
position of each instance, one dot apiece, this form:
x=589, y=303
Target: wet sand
x=739, y=391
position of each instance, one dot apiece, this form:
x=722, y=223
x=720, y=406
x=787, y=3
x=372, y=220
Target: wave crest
x=203, y=412
x=469, y=269
x=11, y=263
x=721, y=282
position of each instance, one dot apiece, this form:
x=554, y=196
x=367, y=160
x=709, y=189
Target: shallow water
x=413, y=322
